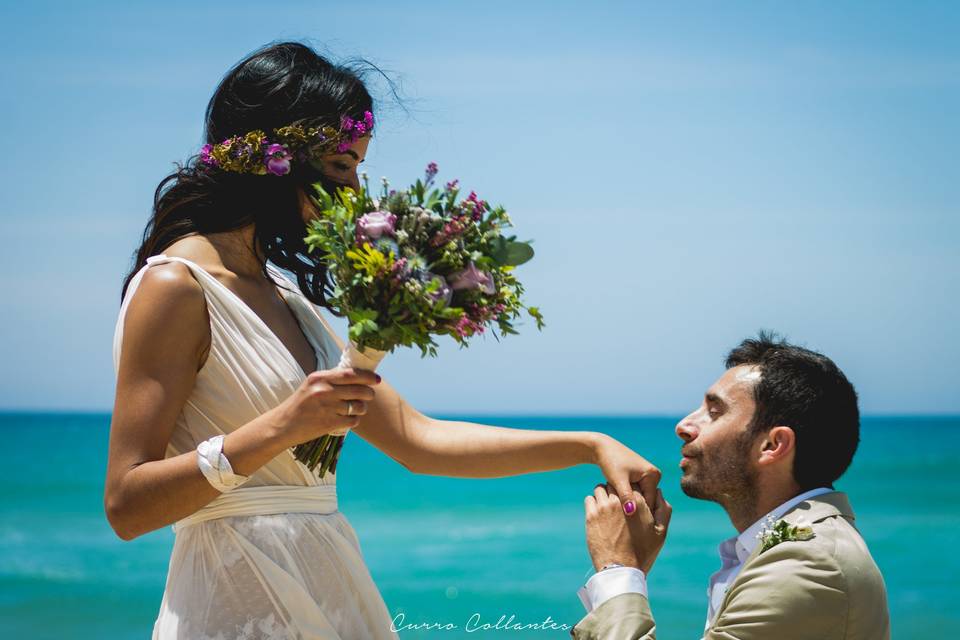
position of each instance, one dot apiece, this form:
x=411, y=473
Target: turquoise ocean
x=462, y=553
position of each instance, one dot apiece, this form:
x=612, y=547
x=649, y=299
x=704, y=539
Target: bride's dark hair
x=276, y=85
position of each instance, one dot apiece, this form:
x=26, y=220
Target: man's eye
x=339, y=166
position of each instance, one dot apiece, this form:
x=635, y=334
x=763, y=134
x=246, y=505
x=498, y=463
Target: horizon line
x=520, y=414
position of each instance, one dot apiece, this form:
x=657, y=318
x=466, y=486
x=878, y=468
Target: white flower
x=803, y=532
x=773, y=534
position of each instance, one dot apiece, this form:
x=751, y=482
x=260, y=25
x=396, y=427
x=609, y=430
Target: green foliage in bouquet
x=417, y=263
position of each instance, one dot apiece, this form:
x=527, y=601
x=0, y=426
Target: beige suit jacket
x=824, y=588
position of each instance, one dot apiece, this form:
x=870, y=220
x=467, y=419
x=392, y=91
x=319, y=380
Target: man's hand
x=633, y=541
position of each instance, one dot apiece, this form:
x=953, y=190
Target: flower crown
x=253, y=152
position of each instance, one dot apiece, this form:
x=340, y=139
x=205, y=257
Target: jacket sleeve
x=789, y=592
x=623, y=617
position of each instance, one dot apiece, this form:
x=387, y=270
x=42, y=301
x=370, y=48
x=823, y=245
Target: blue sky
x=690, y=173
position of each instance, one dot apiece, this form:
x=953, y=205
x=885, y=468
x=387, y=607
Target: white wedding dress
x=273, y=558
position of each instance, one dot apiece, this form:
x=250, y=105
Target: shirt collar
x=746, y=542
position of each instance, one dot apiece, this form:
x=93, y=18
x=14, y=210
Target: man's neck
x=744, y=513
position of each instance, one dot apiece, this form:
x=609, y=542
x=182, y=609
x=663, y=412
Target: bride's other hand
x=622, y=466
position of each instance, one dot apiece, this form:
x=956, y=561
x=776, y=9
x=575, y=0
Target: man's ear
x=777, y=445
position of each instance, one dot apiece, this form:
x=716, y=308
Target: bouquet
x=411, y=265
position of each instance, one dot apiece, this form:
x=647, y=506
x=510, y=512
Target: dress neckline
x=243, y=305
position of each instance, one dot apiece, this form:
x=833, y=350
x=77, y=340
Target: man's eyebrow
x=715, y=399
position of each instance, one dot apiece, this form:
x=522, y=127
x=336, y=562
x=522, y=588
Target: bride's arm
x=468, y=450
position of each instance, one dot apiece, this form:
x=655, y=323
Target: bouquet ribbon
x=355, y=358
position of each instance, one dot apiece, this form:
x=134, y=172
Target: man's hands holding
x=612, y=536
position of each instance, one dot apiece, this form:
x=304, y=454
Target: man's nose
x=687, y=430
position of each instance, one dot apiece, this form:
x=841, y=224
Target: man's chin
x=690, y=487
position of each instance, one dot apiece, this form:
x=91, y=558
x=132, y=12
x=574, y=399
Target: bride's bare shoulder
x=197, y=250
x=169, y=309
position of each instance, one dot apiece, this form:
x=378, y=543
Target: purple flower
x=453, y=184
x=278, y=160
x=353, y=130
x=431, y=171
x=372, y=225
x=205, y=156
x=479, y=206
x=472, y=278
x=444, y=293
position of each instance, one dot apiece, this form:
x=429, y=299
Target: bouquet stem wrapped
x=411, y=265
x=325, y=450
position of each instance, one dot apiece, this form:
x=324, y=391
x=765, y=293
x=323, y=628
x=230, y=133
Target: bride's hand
x=325, y=402
x=622, y=466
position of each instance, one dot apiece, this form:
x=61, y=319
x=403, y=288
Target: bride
x=224, y=365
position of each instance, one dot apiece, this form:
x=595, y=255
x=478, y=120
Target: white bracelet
x=215, y=466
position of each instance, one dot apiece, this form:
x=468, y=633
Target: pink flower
x=206, y=157
x=278, y=160
x=479, y=206
x=472, y=278
x=466, y=327
x=374, y=224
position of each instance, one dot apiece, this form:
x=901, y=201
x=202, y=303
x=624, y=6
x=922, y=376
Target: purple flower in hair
x=278, y=160
x=205, y=156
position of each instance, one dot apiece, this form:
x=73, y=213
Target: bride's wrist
x=595, y=442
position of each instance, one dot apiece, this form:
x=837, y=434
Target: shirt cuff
x=609, y=583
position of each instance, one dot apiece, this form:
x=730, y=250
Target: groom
x=767, y=443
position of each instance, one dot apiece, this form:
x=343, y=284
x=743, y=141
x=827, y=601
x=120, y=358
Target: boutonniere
x=773, y=533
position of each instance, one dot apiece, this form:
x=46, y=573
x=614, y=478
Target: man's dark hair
x=806, y=391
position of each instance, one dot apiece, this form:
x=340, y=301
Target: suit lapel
x=827, y=505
